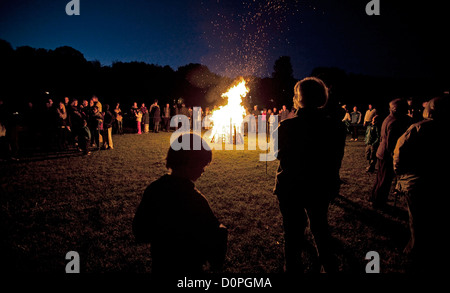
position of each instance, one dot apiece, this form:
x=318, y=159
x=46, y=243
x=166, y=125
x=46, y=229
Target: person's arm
x=212, y=235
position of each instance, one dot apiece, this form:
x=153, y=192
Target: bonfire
x=227, y=120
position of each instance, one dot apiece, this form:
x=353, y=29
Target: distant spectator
x=92, y=123
x=84, y=138
x=370, y=113
x=66, y=102
x=62, y=126
x=355, y=121
x=145, y=118
x=108, y=120
x=421, y=162
x=190, y=236
x=166, y=118
x=254, y=126
x=134, y=109
x=119, y=119
x=175, y=112
x=392, y=128
x=184, y=111
x=346, y=119
x=156, y=114
x=97, y=103
x=76, y=120
x=85, y=109
x=97, y=124
x=138, y=116
x=263, y=120
x=284, y=113
x=292, y=113
x=372, y=140
x=268, y=115
x=414, y=110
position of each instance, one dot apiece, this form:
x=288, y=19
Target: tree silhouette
x=283, y=81
x=30, y=74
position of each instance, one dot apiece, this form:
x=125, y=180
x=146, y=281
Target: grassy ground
x=56, y=203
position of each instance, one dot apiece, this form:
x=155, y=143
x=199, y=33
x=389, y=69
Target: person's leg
x=294, y=225
x=96, y=135
x=318, y=221
x=110, y=141
x=383, y=183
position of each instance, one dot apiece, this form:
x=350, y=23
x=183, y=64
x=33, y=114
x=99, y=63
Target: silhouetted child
x=176, y=218
x=372, y=141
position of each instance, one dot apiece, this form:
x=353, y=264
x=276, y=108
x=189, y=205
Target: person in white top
x=370, y=113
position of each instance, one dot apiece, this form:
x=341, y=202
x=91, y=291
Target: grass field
x=55, y=203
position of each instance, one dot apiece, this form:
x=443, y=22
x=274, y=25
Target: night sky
x=241, y=37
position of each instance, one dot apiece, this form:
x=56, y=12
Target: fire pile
x=227, y=120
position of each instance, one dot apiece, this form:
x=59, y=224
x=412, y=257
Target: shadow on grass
x=387, y=223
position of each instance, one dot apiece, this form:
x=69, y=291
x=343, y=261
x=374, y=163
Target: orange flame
x=228, y=118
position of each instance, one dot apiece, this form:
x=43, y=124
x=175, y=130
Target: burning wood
x=227, y=120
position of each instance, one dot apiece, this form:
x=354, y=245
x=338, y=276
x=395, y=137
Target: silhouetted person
x=118, y=115
x=156, y=115
x=355, y=120
x=176, y=218
x=284, y=113
x=108, y=121
x=96, y=122
x=62, y=124
x=84, y=138
x=184, y=111
x=372, y=140
x=166, y=118
x=254, y=125
x=414, y=111
x=309, y=150
x=370, y=113
x=392, y=128
x=421, y=162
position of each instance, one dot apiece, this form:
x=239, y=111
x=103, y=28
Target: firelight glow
x=229, y=118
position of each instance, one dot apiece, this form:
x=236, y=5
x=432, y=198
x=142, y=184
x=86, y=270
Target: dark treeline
x=30, y=74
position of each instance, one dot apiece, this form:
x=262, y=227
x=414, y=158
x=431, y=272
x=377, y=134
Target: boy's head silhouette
x=189, y=162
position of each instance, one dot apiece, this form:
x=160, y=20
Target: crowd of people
x=58, y=126
x=87, y=125
x=310, y=151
